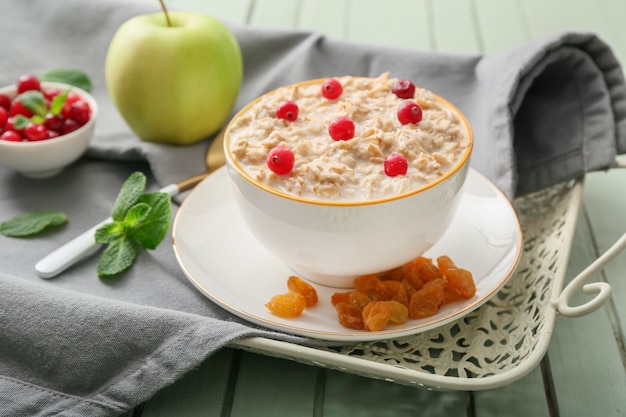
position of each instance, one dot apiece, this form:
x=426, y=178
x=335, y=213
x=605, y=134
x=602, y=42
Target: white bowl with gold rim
x=331, y=242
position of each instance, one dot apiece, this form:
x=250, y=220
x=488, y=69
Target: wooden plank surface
x=545, y=17
x=587, y=361
x=202, y=392
x=585, y=358
x=351, y=395
x=454, y=27
x=231, y=10
x=267, y=387
x=329, y=17
x=605, y=202
x=497, y=17
x=279, y=14
x=408, y=26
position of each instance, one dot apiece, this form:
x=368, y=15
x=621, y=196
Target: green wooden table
x=584, y=372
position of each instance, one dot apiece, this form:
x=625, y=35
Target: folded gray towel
x=542, y=113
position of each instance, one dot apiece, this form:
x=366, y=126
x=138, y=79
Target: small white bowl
x=332, y=242
x=48, y=157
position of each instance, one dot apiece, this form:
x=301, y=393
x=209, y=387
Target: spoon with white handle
x=85, y=244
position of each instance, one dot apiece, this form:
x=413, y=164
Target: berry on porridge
x=404, y=89
x=280, y=160
x=331, y=89
x=287, y=110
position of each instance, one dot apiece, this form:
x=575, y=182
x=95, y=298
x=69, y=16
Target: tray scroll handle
x=602, y=290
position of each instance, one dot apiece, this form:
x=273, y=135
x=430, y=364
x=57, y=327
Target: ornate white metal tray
x=496, y=344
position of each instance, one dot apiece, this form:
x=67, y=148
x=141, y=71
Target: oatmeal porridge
x=349, y=138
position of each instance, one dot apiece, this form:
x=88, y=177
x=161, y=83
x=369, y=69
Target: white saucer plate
x=226, y=263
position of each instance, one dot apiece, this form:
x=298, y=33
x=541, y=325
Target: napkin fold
x=543, y=112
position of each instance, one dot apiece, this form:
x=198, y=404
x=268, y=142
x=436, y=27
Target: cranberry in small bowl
x=44, y=126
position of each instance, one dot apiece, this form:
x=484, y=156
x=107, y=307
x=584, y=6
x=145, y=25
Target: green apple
x=174, y=84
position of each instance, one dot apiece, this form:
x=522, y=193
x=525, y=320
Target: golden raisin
x=392, y=290
x=412, y=275
x=367, y=284
x=339, y=297
x=287, y=305
x=300, y=286
x=444, y=263
x=461, y=282
x=396, y=274
x=376, y=315
x=408, y=287
x=420, y=307
x=426, y=301
x=399, y=313
x=420, y=270
x=349, y=316
x=359, y=299
x=434, y=290
x=427, y=270
x=450, y=296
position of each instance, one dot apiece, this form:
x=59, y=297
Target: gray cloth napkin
x=544, y=112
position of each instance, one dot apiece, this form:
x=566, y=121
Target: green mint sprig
x=32, y=223
x=139, y=220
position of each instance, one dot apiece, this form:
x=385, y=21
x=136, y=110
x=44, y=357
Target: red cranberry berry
x=69, y=125
x=404, y=89
x=54, y=122
x=10, y=125
x=80, y=111
x=53, y=134
x=35, y=131
x=287, y=110
x=280, y=160
x=11, y=136
x=332, y=89
x=67, y=105
x=4, y=116
x=409, y=112
x=5, y=101
x=341, y=128
x=395, y=164
x=72, y=97
x=27, y=82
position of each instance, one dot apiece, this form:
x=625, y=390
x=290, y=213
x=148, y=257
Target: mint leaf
x=151, y=231
x=58, y=101
x=109, y=232
x=32, y=223
x=117, y=257
x=129, y=195
x=20, y=121
x=38, y=119
x=70, y=76
x=136, y=214
x=34, y=101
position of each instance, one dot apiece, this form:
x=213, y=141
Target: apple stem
x=167, y=17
